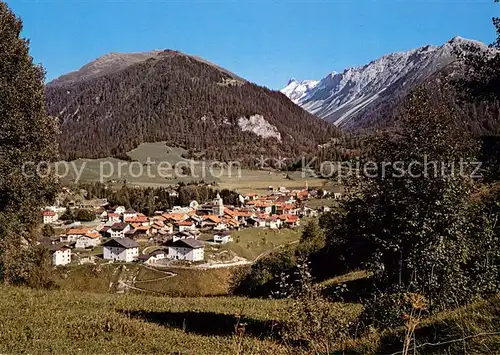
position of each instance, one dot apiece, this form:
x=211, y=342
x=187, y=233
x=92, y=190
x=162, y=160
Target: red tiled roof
x=76, y=231
x=138, y=219
x=185, y=223
x=175, y=216
x=230, y=212
x=212, y=218
x=93, y=235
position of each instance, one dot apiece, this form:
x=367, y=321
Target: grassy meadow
x=70, y=321
x=253, y=242
x=105, y=278
x=148, y=156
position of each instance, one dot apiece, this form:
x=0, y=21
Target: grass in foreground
x=62, y=322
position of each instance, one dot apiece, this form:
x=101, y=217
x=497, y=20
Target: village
x=178, y=236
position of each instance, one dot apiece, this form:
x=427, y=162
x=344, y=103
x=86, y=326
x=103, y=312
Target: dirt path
x=130, y=280
x=236, y=261
x=122, y=285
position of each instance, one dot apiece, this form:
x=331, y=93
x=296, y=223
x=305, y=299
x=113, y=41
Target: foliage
x=262, y=278
x=84, y=215
x=412, y=222
x=48, y=230
x=312, y=239
x=483, y=77
x=26, y=264
x=311, y=321
x=67, y=215
x=484, y=263
x=27, y=139
x=392, y=310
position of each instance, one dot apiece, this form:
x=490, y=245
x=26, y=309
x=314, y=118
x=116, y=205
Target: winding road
x=122, y=285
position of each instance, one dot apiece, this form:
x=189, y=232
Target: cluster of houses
x=177, y=230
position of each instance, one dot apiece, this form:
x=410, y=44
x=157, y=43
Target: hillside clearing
x=148, y=156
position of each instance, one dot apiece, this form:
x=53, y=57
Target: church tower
x=218, y=206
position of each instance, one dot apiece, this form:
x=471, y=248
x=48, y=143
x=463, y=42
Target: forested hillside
x=186, y=102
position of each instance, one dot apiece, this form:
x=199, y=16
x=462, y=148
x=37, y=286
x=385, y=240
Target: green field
x=68, y=322
x=136, y=172
x=186, y=283
x=252, y=242
x=104, y=278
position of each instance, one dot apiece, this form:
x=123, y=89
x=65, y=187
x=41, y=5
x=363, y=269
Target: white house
x=130, y=213
x=222, y=238
x=308, y=212
x=187, y=249
x=153, y=257
x=113, y=217
x=273, y=223
x=118, y=230
x=267, y=209
x=89, y=240
x=173, y=193
x=292, y=221
x=121, y=249
x=261, y=222
x=183, y=235
x=104, y=215
x=57, y=209
x=61, y=255
x=221, y=226
x=49, y=217
x=120, y=210
x=186, y=226
x=72, y=235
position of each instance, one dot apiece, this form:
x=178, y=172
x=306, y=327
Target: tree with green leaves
x=48, y=231
x=84, y=215
x=67, y=215
x=408, y=216
x=28, y=139
x=312, y=239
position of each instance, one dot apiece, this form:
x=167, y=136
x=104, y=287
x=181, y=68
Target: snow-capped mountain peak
x=295, y=90
x=340, y=97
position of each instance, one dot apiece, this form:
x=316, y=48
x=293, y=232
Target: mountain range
x=344, y=98
x=119, y=101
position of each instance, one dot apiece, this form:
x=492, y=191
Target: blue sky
x=264, y=41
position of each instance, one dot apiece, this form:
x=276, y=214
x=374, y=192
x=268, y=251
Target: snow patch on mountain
x=339, y=97
x=295, y=90
x=259, y=126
